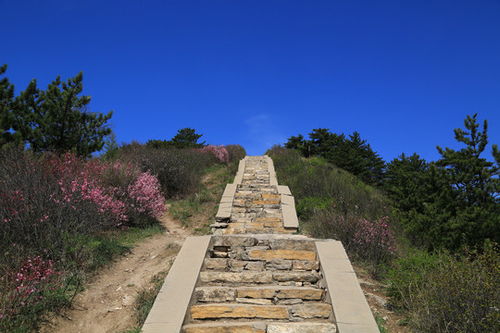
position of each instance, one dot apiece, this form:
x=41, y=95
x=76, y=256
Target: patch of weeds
x=381, y=324
x=146, y=297
x=205, y=230
x=133, y=330
x=133, y=235
x=309, y=206
x=183, y=210
x=202, y=205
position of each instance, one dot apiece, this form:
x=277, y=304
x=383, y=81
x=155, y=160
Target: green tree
x=419, y=190
x=6, y=105
x=475, y=184
x=406, y=180
x=58, y=120
x=349, y=153
x=356, y=156
x=452, y=202
x=187, y=138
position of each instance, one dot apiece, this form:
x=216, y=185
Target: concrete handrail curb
x=169, y=309
x=351, y=310
x=226, y=203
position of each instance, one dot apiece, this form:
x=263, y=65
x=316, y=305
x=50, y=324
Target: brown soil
x=107, y=303
x=374, y=293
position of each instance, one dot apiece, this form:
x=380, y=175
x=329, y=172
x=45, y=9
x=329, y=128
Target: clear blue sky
x=402, y=73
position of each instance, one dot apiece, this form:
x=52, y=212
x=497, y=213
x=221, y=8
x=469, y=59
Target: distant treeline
x=451, y=203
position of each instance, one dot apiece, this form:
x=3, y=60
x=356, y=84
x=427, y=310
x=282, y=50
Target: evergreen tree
x=358, y=158
x=57, y=119
x=475, y=184
x=405, y=181
x=452, y=202
x=352, y=154
x=6, y=104
x=298, y=143
x=321, y=141
x=187, y=138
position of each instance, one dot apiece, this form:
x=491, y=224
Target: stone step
x=260, y=327
x=249, y=311
x=266, y=277
x=269, y=293
x=218, y=327
x=237, y=265
x=269, y=255
x=237, y=311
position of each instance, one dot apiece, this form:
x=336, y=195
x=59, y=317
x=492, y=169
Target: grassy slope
x=198, y=210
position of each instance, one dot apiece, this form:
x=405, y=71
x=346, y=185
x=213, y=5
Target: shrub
x=146, y=196
x=118, y=189
x=370, y=241
x=179, y=171
x=236, y=152
x=315, y=177
x=332, y=203
x=451, y=294
x=220, y=152
x=407, y=275
x=309, y=206
x=37, y=212
x=55, y=213
x=27, y=292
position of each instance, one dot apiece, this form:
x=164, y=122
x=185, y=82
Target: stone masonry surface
x=260, y=283
x=256, y=206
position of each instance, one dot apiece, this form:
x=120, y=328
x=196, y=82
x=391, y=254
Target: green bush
x=178, y=170
x=236, y=153
x=317, y=178
x=309, y=206
x=332, y=203
x=407, y=276
x=443, y=293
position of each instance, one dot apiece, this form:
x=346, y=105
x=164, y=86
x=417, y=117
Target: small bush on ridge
x=236, y=152
x=220, y=152
x=179, y=171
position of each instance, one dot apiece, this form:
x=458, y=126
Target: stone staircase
x=260, y=284
x=255, y=275
x=256, y=206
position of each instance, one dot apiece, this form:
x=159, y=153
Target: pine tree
x=352, y=154
x=6, y=104
x=58, y=120
x=471, y=175
x=452, y=202
x=475, y=183
x=187, y=138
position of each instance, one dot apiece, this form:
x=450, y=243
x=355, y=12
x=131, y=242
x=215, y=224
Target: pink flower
x=220, y=152
x=375, y=235
x=145, y=191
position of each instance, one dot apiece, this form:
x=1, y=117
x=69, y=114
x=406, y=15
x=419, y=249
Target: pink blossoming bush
x=55, y=214
x=146, y=195
x=26, y=289
x=370, y=241
x=374, y=239
x=220, y=152
x=119, y=190
x=80, y=180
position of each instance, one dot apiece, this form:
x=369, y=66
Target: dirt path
x=107, y=303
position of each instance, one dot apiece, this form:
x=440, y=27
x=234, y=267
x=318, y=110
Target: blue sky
x=402, y=73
